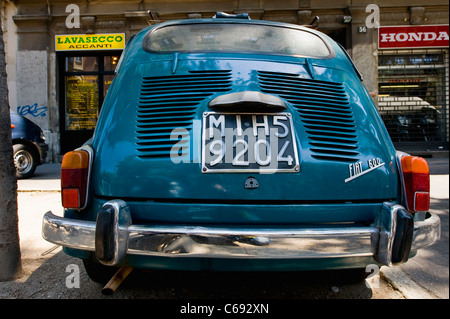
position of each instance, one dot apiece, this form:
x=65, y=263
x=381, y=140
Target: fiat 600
x=233, y=144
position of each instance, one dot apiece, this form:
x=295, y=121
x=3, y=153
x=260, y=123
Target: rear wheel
x=24, y=161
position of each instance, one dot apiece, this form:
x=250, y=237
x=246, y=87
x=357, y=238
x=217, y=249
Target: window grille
x=413, y=94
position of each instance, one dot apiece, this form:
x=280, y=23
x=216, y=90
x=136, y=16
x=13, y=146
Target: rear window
x=251, y=38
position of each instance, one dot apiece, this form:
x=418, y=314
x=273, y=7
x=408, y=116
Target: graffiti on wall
x=34, y=110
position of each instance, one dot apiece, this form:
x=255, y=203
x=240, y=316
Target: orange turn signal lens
x=75, y=160
x=414, y=164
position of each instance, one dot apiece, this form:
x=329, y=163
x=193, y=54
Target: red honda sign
x=417, y=36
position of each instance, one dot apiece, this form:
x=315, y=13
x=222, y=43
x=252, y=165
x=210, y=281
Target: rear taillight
x=416, y=183
x=75, y=179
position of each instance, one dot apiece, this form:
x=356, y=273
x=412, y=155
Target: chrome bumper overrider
x=219, y=242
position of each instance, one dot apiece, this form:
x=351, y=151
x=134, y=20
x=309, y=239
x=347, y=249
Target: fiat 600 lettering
x=233, y=144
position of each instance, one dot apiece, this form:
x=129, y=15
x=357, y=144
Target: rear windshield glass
x=252, y=38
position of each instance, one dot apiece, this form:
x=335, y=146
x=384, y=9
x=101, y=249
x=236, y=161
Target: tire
x=98, y=272
x=25, y=161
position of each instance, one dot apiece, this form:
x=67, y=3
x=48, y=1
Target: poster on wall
x=413, y=36
x=82, y=106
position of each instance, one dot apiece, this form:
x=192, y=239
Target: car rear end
x=225, y=160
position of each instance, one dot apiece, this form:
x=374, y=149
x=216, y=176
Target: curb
x=398, y=279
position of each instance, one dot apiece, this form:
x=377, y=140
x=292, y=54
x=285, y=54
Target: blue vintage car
x=236, y=144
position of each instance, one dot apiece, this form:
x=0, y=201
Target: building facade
x=61, y=56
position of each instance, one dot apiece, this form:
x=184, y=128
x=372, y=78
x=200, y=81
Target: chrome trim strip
x=254, y=99
x=251, y=243
x=386, y=222
x=216, y=242
x=247, y=243
x=121, y=223
x=72, y=233
x=426, y=232
x=87, y=148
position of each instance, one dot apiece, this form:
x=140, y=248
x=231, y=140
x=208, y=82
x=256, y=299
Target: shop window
x=413, y=93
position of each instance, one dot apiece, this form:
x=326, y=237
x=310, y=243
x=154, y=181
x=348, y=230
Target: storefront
x=413, y=84
x=58, y=75
x=86, y=65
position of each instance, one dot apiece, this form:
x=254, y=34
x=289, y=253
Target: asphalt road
x=49, y=273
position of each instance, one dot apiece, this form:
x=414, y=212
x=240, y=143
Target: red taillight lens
x=416, y=181
x=74, y=179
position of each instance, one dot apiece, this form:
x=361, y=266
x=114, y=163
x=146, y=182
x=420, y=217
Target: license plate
x=243, y=142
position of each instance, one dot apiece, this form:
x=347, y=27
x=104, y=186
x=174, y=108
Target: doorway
x=84, y=80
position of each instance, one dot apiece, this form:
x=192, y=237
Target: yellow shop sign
x=77, y=42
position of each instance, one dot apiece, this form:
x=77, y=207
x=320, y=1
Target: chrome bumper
x=121, y=237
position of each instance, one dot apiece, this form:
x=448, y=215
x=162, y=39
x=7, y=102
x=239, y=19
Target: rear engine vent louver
x=167, y=103
x=324, y=110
